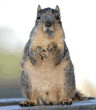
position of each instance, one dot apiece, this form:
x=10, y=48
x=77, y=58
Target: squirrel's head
x=48, y=19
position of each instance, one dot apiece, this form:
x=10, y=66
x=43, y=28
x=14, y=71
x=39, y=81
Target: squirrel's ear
x=57, y=8
x=39, y=8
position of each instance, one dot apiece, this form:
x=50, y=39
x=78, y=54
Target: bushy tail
x=79, y=96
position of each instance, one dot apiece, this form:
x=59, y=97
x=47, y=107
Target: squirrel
x=47, y=70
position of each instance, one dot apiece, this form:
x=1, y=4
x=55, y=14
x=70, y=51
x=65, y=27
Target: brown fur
x=48, y=73
x=39, y=38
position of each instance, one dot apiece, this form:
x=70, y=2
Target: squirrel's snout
x=48, y=24
x=48, y=28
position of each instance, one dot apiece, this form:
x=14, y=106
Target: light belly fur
x=45, y=75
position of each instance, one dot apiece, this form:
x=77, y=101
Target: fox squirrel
x=47, y=70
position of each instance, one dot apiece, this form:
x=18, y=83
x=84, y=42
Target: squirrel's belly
x=48, y=80
x=43, y=76
x=46, y=76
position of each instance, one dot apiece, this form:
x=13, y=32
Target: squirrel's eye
x=57, y=17
x=38, y=17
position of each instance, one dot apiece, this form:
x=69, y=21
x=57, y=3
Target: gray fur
x=26, y=85
x=25, y=55
x=48, y=16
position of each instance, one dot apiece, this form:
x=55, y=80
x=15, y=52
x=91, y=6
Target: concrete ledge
x=76, y=105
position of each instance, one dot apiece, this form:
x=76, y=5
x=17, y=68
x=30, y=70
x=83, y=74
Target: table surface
x=6, y=104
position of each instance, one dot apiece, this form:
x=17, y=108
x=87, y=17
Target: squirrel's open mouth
x=48, y=30
x=49, y=33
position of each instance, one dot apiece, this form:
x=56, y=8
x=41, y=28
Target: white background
x=79, y=23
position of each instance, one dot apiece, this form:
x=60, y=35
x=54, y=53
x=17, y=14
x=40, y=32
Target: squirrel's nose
x=48, y=24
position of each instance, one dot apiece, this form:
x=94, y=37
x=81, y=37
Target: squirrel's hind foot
x=27, y=103
x=66, y=102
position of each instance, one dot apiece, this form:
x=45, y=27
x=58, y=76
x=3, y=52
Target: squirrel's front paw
x=52, y=46
x=40, y=52
x=37, y=53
